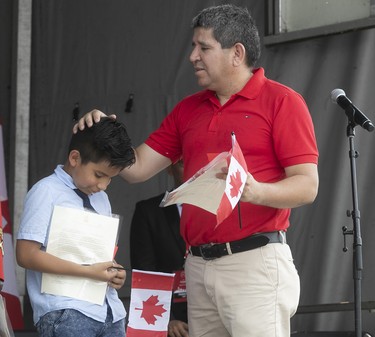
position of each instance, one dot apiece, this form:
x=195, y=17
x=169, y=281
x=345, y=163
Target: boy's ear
x=74, y=158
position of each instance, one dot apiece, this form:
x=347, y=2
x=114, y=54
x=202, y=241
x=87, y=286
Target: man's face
x=93, y=177
x=212, y=64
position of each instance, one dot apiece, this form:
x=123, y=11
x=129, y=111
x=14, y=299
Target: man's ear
x=239, y=54
x=74, y=158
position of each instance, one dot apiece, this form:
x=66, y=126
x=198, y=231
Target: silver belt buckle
x=201, y=250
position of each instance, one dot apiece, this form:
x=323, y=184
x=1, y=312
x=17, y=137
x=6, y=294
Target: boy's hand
x=102, y=271
x=119, y=279
x=107, y=272
x=89, y=119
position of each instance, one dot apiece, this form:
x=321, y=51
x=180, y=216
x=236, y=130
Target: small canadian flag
x=150, y=304
x=235, y=182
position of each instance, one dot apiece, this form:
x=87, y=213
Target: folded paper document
x=82, y=237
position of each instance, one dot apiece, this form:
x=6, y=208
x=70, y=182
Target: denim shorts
x=72, y=323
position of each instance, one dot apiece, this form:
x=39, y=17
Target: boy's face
x=90, y=177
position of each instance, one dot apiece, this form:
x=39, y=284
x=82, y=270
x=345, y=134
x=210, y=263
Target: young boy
x=95, y=156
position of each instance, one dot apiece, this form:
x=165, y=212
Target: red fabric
x=7, y=228
x=224, y=210
x=10, y=292
x=273, y=126
x=13, y=306
x=144, y=333
x=1, y=250
x=143, y=280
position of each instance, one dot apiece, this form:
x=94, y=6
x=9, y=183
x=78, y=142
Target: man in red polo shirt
x=241, y=280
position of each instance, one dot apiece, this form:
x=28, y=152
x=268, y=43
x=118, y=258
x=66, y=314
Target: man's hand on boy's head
x=89, y=119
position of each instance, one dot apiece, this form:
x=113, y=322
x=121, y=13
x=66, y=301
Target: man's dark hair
x=106, y=141
x=231, y=25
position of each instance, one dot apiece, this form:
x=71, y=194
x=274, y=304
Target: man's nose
x=194, y=55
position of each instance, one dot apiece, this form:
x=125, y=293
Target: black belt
x=212, y=251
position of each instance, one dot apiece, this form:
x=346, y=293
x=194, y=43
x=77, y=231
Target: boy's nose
x=102, y=185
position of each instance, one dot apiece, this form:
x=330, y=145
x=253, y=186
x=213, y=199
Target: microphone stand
x=356, y=232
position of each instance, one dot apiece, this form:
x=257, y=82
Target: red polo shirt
x=274, y=129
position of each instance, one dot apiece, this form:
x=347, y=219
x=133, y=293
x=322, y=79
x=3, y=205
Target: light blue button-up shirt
x=58, y=189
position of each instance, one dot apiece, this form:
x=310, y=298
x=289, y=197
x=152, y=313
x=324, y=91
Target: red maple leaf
x=235, y=181
x=151, y=309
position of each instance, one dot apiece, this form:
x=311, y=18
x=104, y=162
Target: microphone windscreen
x=336, y=93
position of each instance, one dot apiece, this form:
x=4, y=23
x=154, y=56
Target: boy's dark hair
x=230, y=25
x=106, y=141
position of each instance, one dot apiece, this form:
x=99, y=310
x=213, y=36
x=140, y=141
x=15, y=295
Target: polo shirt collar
x=252, y=88
x=208, y=94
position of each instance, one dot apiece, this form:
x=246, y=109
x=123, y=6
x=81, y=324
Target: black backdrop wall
x=96, y=53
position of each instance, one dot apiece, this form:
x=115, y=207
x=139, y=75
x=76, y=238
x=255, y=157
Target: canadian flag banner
x=9, y=291
x=235, y=182
x=150, y=304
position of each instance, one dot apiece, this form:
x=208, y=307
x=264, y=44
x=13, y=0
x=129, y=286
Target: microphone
x=338, y=96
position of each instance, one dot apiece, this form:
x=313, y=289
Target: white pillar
x=22, y=116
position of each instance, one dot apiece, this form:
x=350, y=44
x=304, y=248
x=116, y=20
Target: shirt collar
x=252, y=88
x=64, y=177
x=208, y=94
